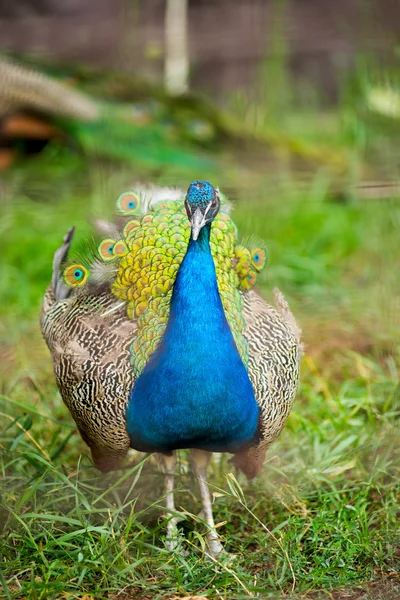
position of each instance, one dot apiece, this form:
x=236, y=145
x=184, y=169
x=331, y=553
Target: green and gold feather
x=145, y=259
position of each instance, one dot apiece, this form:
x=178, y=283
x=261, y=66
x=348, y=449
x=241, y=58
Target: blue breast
x=194, y=391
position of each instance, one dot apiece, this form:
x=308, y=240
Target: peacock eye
x=216, y=200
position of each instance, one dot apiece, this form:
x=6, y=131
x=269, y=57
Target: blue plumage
x=200, y=193
x=194, y=391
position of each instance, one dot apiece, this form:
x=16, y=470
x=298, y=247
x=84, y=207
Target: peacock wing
x=88, y=335
x=274, y=347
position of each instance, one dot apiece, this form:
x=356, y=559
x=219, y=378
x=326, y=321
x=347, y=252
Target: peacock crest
x=141, y=265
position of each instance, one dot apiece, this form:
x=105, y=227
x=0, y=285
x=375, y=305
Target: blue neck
x=194, y=391
x=195, y=299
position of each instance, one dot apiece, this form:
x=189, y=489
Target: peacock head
x=202, y=204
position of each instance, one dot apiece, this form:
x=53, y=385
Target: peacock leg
x=167, y=466
x=200, y=461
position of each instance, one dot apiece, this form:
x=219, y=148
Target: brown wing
x=274, y=355
x=89, y=343
x=88, y=335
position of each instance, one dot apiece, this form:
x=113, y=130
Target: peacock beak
x=198, y=221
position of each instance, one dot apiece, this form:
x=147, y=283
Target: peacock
x=160, y=342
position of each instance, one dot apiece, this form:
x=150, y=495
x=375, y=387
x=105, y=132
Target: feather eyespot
x=251, y=278
x=258, y=258
x=248, y=282
x=127, y=203
x=120, y=249
x=106, y=249
x=75, y=275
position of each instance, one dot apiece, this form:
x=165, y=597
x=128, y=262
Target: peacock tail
x=143, y=262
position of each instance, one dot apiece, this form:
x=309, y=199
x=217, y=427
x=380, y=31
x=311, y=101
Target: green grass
x=323, y=514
